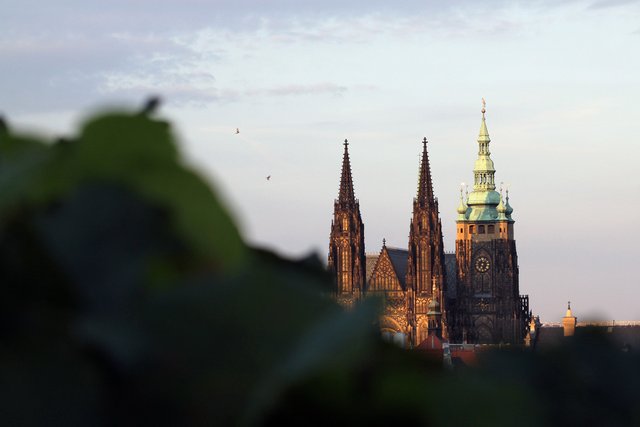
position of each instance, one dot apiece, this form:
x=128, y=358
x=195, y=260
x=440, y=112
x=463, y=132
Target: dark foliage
x=129, y=298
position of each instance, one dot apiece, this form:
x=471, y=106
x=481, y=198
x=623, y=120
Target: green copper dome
x=484, y=163
x=484, y=199
x=462, y=208
x=501, y=209
x=508, y=208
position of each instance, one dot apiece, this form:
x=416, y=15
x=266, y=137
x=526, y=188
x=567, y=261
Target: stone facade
x=474, y=298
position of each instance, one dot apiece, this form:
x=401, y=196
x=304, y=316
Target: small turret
x=569, y=322
x=509, y=209
x=462, y=208
x=502, y=209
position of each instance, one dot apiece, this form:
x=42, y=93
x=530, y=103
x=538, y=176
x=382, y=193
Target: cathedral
x=471, y=296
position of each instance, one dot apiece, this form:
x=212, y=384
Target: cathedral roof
x=431, y=343
x=370, y=264
x=450, y=265
x=399, y=259
x=389, y=259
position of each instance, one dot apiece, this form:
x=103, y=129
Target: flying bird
x=237, y=131
x=268, y=177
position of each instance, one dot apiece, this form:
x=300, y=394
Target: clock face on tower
x=483, y=264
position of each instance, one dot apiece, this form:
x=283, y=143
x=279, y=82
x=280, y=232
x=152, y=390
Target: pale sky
x=561, y=80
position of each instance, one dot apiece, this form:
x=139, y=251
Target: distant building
x=622, y=333
x=471, y=296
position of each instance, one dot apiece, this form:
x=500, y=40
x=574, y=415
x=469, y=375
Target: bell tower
x=425, y=264
x=489, y=307
x=346, y=241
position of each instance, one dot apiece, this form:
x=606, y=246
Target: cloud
x=67, y=70
x=601, y=4
x=297, y=90
x=190, y=93
x=75, y=51
x=238, y=16
x=175, y=86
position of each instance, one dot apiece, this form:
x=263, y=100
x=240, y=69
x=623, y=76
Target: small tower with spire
x=425, y=264
x=488, y=305
x=346, y=241
x=569, y=322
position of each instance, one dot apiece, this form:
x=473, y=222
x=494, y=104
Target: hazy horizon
x=560, y=80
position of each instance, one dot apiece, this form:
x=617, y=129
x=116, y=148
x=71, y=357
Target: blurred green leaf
x=129, y=298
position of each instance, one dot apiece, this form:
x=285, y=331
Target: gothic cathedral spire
x=346, y=243
x=425, y=186
x=346, y=194
x=425, y=268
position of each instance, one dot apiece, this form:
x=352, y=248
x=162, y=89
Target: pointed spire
x=484, y=170
x=569, y=313
x=346, y=194
x=483, y=134
x=384, y=242
x=425, y=186
x=508, y=208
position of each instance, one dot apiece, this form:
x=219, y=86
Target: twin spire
x=484, y=171
x=425, y=185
